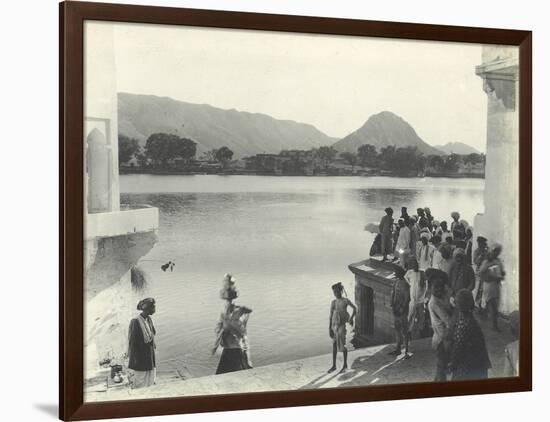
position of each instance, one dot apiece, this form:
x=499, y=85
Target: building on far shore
x=266, y=163
x=472, y=169
x=115, y=236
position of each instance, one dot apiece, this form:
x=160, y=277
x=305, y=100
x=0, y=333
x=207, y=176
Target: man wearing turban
x=457, y=227
x=141, y=346
x=386, y=230
x=469, y=358
x=492, y=273
x=461, y=274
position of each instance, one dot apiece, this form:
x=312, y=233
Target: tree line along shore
x=171, y=154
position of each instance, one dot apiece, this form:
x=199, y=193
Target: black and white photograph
x=272, y=211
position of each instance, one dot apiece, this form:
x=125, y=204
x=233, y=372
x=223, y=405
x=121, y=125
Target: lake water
x=286, y=240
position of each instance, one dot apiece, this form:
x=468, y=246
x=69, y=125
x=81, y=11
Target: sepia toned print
x=244, y=190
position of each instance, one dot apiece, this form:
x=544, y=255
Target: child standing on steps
x=338, y=318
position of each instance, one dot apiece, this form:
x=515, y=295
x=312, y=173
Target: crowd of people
x=441, y=281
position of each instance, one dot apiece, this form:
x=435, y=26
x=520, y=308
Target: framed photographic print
x=265, y=210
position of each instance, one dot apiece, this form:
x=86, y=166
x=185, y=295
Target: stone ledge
x=368, y=366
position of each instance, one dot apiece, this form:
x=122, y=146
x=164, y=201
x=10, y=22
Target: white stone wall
x=500, y=220
x=108, y=317
x=100, y=101
x=114, y=240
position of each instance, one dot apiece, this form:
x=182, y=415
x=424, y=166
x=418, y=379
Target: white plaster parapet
x=118, y=223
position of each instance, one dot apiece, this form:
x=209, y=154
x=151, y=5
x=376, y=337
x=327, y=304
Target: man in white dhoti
x=141, y=346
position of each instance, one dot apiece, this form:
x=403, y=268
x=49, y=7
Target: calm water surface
x=286, y=239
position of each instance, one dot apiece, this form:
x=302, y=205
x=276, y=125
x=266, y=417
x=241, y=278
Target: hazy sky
x=332, y=82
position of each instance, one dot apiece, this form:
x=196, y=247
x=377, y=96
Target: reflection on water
x=286, y=239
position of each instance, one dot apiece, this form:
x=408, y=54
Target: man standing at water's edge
x=141, y=346
x=385, y=227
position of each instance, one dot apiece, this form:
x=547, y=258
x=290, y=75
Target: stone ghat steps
x=367, y=366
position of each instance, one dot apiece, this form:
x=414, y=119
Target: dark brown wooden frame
x=71, y=22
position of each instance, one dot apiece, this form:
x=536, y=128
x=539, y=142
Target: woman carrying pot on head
x=231, y=331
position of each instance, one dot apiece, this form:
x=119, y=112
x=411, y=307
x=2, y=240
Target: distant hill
x=244, y=133
x=457, y=148
x=385, y=129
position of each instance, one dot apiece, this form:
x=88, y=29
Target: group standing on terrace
x=441, y=281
